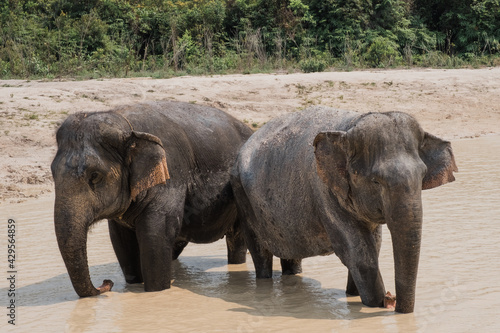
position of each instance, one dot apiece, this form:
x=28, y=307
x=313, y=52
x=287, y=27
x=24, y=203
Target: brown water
x=458, y=284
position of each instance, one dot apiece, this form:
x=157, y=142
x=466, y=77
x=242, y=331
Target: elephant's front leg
x=262, y=258
x=156, y=235
x=178, y=248
x=364, y=278
x=369, y=284
x=126, y=249
x=351, y=288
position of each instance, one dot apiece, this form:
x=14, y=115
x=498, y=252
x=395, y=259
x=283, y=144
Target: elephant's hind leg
x=236, y=246
x=291, y=266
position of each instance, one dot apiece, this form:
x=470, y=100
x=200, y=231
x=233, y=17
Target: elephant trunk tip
x=390, y=301
x=106, y=286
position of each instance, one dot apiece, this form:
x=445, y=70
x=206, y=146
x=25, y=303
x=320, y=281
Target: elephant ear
x=331, y=162
x=147, y=162
x=438, y=157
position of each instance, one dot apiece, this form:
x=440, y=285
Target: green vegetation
x=32, y=116
x=161, y=38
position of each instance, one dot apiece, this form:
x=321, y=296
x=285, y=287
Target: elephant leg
x=291, y=266
x=351, y=288
x=262, y=258
x=178, y=248
x=126, y=248
x=236, y=246
x=369, y=283
x=364, y=274
x=156, y=247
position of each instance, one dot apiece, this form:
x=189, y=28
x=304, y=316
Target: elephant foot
x=106, y=286
x=178, y=247
x=291, y=266
x=351, y=289
x=390, y=301
x=132, y=279
x=237, y=258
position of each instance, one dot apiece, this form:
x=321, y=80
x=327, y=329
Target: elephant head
x=377, y=169
x=101, y=166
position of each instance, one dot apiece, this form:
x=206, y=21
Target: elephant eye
x=95, y=178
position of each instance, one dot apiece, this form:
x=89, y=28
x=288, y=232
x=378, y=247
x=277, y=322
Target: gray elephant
x=113, y=165
x=324, y=181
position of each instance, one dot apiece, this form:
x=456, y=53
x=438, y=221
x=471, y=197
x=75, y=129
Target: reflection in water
x=457, y=288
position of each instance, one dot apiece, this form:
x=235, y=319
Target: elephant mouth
x=372, y=221
x=375, y=216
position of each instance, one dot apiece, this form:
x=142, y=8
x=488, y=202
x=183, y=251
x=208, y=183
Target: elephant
x=159, y=172
x=323, y=181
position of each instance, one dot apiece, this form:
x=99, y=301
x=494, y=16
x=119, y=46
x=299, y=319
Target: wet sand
x=457, y=287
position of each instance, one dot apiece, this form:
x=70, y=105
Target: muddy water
x=458, y=285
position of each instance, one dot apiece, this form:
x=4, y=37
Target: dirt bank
x=448, y=103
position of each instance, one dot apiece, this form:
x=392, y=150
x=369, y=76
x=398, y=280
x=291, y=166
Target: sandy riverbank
x=448, y=103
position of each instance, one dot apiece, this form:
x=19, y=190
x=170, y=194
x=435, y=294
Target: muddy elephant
x=159, y=172
x=324, y=181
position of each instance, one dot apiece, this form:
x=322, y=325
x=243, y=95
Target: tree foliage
x=118, y=37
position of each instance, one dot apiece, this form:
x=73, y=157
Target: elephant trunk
x=71, y=232
x=406, y=230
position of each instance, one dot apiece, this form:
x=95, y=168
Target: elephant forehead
x=381, y=141
x=384, y=131
x=97, y=127
x=79, y=160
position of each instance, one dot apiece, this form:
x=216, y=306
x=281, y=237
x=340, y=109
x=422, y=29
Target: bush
x=312, y=65
x=382, y=52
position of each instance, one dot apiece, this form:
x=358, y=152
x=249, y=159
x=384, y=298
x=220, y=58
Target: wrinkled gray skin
x=159, y=172
x=323, y=180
